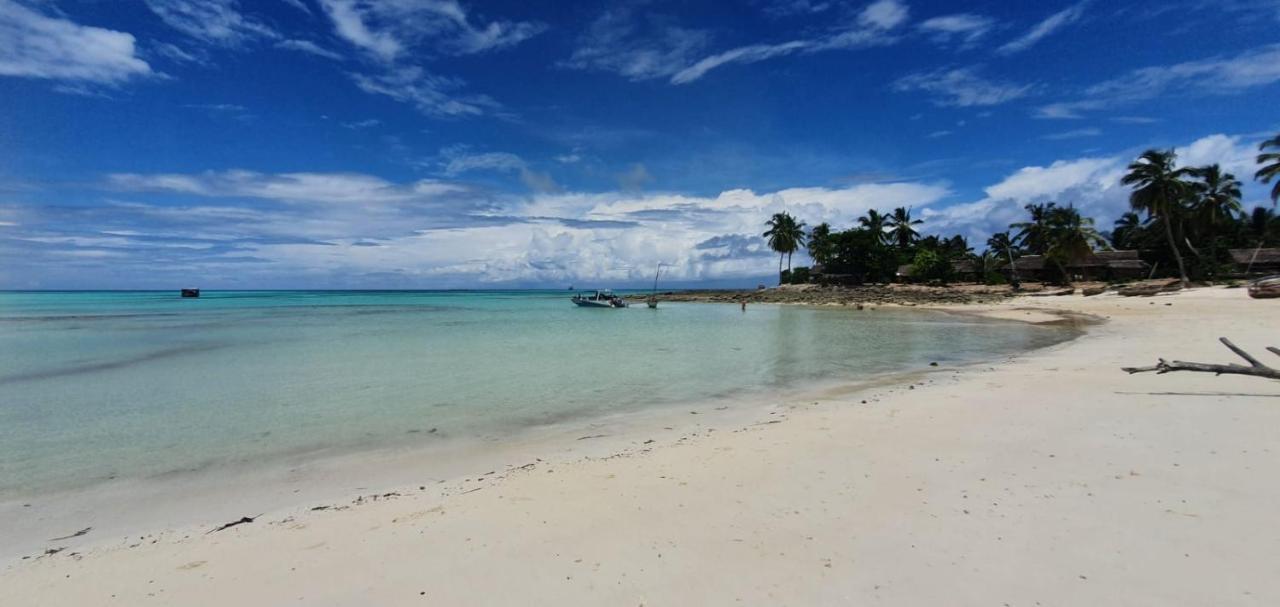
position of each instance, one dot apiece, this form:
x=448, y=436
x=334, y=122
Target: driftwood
x=244, y=520
x=1255, y=368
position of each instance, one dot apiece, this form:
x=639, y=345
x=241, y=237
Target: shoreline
x=181, y=502
x=1042, y=477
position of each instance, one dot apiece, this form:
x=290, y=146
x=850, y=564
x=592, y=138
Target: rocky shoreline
x=907, y=295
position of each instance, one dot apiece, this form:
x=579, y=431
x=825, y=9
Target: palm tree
x=1270, y=171
x=1034, y=234
x=795, y=236
x=1005, y=249
x=900, y=227
x=875, y=222
x=785, y=236
x=1125, y=230
x=820, y=243
x=777, y=236
x=1072, y=237
x=1159, y=190
x=1217, y=195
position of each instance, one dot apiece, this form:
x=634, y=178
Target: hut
x=1099, y=265
x=1256, y=260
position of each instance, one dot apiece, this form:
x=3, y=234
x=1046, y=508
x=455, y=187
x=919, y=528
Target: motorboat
x=603, y=298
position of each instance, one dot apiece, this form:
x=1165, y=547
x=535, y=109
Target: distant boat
x=653, y=297
x=600, y=299
x=191, y=293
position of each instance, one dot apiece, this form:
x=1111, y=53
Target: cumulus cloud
x=1091, y=184
x=1216, y=76
x=33, y=45
x=1043, y=29
x=962, y=87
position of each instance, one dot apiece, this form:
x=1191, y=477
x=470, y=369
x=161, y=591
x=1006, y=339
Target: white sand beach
x=1050, y=479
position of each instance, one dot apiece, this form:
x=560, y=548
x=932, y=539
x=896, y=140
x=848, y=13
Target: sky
x=455, y=144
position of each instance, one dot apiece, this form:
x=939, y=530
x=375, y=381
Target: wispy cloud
x=458, y=160
x=307, y=46
x=962, y=29
x=388, y=28
x=393, y=32
x=219, y=22
x=1073, y=134
x=1051, y=24
x=1217, y=76
x=873, y=26
x=643, y=48
x=962, y=87
x=329, y=188
x=33, y=45
x=637, y=47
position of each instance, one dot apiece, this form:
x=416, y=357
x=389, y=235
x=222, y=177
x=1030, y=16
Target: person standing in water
x=744, y=306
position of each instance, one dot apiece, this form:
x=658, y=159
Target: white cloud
x=962, y=28
x=33, y=45
x=458, y=160
x=642, y=49
x=1253, y=68
x=1043, y=29
x=637, y=48
x=390, y=28
x=1073, y=134
x=745, y=54
x=429, y=93
x=307, y=46
x=212, y=21
x=1234, y=155
x=327, y=188
x=962, y=87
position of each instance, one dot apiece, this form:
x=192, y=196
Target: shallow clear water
x=100, y=385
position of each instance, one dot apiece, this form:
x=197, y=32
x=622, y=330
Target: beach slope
x=1050, y=479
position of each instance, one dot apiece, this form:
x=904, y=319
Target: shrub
x=800, y=276
x=930, y=266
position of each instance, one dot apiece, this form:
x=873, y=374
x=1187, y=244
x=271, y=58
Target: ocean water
x=106, y=385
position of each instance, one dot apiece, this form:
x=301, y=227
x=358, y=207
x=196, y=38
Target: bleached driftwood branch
x=1255, y=368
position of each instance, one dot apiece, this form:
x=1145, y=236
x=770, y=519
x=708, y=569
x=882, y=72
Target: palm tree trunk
x=788, y=261
x=779, y=267
x=1173, y=246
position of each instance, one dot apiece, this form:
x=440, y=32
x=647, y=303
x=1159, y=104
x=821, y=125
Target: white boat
x=600, y=299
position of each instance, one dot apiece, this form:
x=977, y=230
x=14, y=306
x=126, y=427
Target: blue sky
x=439, y=143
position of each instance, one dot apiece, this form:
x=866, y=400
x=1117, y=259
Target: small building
x=1256, y=261
x=1099, y=265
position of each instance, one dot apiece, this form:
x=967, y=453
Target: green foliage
x=861, y=255
x=786, y=235
x=930, y=265
x=799, y=276
x=1270, y=169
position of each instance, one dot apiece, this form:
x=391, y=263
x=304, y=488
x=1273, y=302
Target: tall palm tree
x=777, y=236
x=1159, y=189
x=1272, y=170
x=900, y=223
x=875, y=222
x=1034, y=234
x=1217, y=195
x=795, y=236
x=1125, y=230
x=785, y=236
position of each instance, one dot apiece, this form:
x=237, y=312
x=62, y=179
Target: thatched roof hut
x=1259, y=260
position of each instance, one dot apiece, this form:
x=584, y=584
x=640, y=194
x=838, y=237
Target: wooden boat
x=1265, y=288
x=191, y=293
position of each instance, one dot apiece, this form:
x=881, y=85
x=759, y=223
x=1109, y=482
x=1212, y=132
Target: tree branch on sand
x=1255, y=368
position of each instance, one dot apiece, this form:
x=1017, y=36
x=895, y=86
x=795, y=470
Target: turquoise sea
x=104, y=385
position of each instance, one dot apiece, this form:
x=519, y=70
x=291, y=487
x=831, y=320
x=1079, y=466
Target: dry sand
x=1051, y=479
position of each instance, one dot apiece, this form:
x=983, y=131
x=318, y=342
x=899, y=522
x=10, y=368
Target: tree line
x=1181, y=218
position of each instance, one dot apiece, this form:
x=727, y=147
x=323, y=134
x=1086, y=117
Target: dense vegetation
x=1182, y=220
